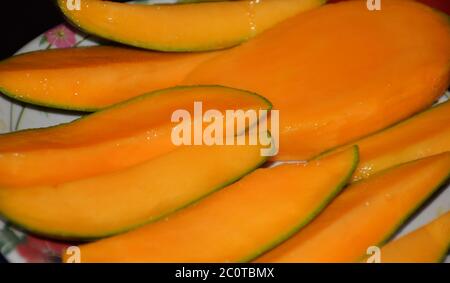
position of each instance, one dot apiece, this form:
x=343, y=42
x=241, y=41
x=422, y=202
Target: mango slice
x=90, y=78
x=108, y=204
x=340, y=72
x=422, y=135
x=365, y=214
x=117, y=138
x=237, y=223
x=428, y=244
x=183, y=27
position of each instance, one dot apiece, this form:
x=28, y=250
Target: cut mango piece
x=111, y=140
x=237, y=223
x=365, y=214
x=340, y=72
x=116, y=202
x=183, y=27
x=425, y=134
x=90, y=78
x=428, y=244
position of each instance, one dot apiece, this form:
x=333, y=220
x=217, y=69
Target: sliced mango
x=422, y=135
x=116, y=202
x=111, y=140
x=183, y=27
x=365, y=214
x=428, y=244
x=237, y=223
x=90, y=78
x=340, y=72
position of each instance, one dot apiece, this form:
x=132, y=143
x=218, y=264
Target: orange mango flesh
x=186, y=27
x=90, y=78
x=111, y=140
x=425, y=134
x=428, y=244
x=116, y=202
x=223, y=227
x=337, y=73
x=365, y=214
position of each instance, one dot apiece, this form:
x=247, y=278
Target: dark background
x=22, y=21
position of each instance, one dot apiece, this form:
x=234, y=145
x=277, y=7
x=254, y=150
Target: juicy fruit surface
x=425, y=134
x=339, y=81
x=116, y=202
x=428, y=244
x=365, y=214
x=237, y=223
x=91, y=78
x=111, y=140
x=187, y=27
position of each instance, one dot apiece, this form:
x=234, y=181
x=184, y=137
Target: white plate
x=17, y=246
